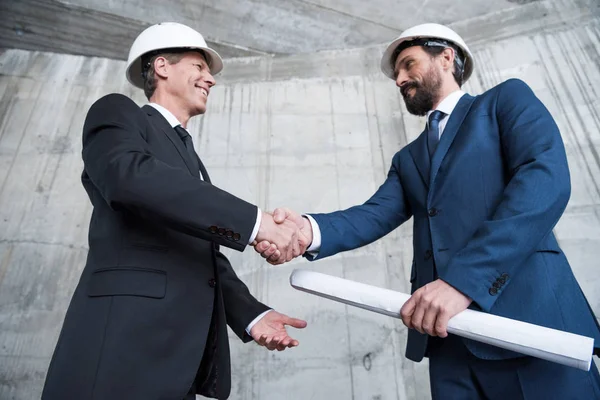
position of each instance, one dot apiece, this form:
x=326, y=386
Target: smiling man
x=148, y=319
x=485, y=184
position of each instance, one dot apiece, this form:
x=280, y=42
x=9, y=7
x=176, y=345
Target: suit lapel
x=203, y=171
x=164, y=125
x=420, y=156
x=454, y=123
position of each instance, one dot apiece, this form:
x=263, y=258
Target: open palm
x=270, y=331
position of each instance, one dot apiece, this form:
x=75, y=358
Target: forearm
x=241, y=308
x=118, y=162
x=361, y=225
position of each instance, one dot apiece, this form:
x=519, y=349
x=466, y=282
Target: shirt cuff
x=315, y=246
x=256, y=225
x=255, y=320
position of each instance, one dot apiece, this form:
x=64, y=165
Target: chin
x=200, y=109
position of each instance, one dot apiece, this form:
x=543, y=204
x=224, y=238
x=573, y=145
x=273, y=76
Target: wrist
x=307, y=230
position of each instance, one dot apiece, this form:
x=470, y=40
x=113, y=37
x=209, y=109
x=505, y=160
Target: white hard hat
x=427, y=31
x=167, y=35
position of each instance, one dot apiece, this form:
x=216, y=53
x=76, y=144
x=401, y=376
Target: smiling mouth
x=405, y=91
x=203, y=91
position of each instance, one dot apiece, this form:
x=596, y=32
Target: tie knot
x=182, y=132
x=436, y=116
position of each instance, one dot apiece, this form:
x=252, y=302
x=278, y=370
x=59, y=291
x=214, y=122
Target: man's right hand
x=271, y=251
x=281, y=237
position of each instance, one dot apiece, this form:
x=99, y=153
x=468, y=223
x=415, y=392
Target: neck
x=445, y=90
x=171, y=103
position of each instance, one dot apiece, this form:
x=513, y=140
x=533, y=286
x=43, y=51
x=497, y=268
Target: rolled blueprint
x=525, y=338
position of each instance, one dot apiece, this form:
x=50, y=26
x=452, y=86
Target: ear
x=161, y=67
x=447, y=58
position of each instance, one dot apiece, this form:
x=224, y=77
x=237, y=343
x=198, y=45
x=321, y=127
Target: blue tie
x=433, y=131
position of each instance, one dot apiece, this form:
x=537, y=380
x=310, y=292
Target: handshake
x=282, y=236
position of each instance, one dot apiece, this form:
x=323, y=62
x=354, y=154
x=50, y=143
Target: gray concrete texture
x=257, y=27
x=311, y=132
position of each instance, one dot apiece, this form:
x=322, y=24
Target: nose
x=402, y=78
x=210, y=80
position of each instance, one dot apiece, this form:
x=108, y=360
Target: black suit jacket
x=154, y=280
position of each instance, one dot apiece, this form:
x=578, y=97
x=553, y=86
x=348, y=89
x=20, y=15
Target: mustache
x=407, y=86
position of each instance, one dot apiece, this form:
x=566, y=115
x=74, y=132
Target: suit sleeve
x=118, y=161
x=533, y=201
x=361, y=225
x=240, y=306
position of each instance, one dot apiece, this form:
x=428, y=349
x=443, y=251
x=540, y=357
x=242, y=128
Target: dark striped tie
x=433, y=131
x=189, y=145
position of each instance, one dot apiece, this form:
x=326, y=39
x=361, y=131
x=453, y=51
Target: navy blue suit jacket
x=484, y=209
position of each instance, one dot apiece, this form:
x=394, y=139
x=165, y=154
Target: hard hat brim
x=387, y=63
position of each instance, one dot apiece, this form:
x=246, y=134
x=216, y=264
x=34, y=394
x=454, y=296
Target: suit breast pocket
x=128, y=281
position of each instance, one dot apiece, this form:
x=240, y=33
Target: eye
x=199, y=67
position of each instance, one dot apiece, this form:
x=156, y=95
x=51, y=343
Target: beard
x=425, y=93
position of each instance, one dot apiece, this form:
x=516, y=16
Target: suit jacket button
x=493, y=291
x=236, y=237
x=497, y=285
x=229, y=234
x=504, y=275
x=212, y=283
x=213, y=229
x=221, y=231
x=433, y=212
x=502, y=280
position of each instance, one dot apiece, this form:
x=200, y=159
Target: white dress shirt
x=172, y=120
x=446, y=106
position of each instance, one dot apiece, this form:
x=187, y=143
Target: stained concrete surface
x=311, y=132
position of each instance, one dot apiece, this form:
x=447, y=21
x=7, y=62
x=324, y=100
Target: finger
x=293, y=343
x=262, y=246
x=429, y=320
x=253, y=243
x=295, y=322
x=277, y=262
x=276, y=258
x=272, y=344
x=417, y=317
x=407, y=311
x=269, y=252
x=262, y=340
x=441, y=324
x=283, y=344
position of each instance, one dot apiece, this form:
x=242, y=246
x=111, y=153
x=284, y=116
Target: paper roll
x=525, y=338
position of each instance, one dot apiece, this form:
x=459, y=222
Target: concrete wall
x=315, y=133
x=243, y=28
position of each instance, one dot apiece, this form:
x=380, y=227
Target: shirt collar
x=171, y=119
x=448, y=104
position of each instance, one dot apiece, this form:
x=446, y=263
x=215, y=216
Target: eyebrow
x=402, y=61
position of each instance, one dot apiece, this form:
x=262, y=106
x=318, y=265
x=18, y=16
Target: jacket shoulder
x=114, y=101
x=511, y=87
x=114, y=108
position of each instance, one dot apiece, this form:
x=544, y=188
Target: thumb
x=280, y=215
